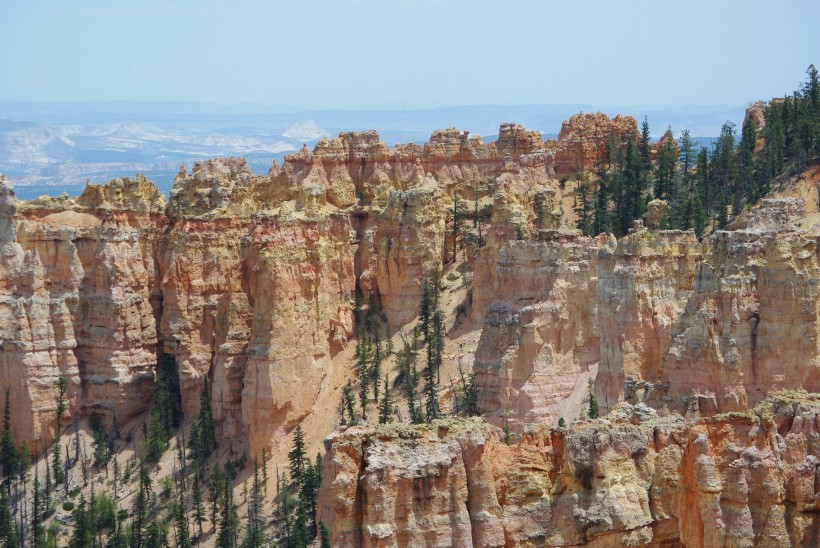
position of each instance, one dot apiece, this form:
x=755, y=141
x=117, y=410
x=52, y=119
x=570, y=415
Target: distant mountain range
x=49, y=148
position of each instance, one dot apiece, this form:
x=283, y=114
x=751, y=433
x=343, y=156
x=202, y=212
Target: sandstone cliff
x=247, y=279
x=631, y=479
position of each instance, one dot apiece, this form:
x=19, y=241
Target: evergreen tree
x=255, y=537
x=197, y=507
x=376, y=367
x=644, y=148
x=456, y=223
x=206, y=424
x=155, y=535
x=37, y=531
x=83, y=526
x=386, y=414
x=300, y=536
x=593, y=403
x=8, y=449
x=413, y=409
x=139, y=513
x=467, y=396
x=217, y=480
x=349, y=404
x=285, y=505
x=229, y=521
x=264, y=472
x=584, y=208
x=745, y=187
x=666, y=169
x=324, y=536
x=296, y=456
x=183, y=534
x=364, y=377
x=562, y=423
x=602, y=218
x=62, y=384
x=723, y=167
x=430, y=392
x=6, y=522
x=425, y=307
x=57, y=465
x=166, y=414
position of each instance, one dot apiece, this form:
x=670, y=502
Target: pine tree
x=285, y=505
x=196, y=495
x=8, y=449
x=745, y=188
x=300, y=536
x=57, y=465
x=601, y=215
x=264, y=472
x=254, y=536
x=386, y=414
x=584, y=207
x=140, y=510
x=562, y=423
x=296, y=456
x=666, y=169
x=414, y=412
x=37, y=532
x=183, y=534
x=593, y=403
x=425, y=307
x=207, y=429
x=645, y=150
x=376, y=367
x=83, y=534
x=349, y=404
x=430, y=392
x=456, y=223
x=155, y=535
x=62, y=384
x=6, y=522
x=467, y=396
x=324, y=536
x=364, y=377
x=217, y=480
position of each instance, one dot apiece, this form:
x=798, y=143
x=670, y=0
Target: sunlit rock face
x=633, y=478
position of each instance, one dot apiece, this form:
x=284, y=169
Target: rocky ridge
x=634, y=478
x=247, y=279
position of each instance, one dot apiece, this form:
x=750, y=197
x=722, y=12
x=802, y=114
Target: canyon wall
x=633, y=478
x=654, y=316
x=249, y=280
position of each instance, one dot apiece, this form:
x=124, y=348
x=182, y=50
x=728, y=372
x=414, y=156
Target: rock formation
x=247, y=279
x=632, y=479
x=251, y=281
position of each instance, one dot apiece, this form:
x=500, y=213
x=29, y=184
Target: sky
x=365, y=54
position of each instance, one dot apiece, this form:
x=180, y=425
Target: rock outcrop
x=540, y=336
x=78, y=301
x=631, y=479
x=249, y=280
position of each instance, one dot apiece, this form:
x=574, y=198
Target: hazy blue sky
x=406, y=53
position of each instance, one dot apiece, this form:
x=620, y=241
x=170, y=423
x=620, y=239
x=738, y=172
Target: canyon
x=703, y=354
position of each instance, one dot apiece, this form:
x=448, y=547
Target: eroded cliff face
x=540, y=336
x=78, y=300
x=631, y=479
x=249, y=279
x=751, y=324
x=655, y=315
